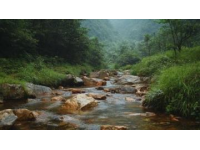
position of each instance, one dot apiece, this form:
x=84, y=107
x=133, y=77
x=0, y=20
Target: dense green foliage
x=177, y=91
x=40, y=70
x=44, y=51
x=63, y=38
x=175, y=87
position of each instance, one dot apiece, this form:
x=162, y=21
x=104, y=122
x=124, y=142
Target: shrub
x=151, y=65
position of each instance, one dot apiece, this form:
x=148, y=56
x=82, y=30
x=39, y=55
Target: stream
x=115, y=110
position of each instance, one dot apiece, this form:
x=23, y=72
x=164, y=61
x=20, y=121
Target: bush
x=177, y=91
x=151, y=65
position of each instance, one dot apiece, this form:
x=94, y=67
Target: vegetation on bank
x=40, y=70
x=175, y=86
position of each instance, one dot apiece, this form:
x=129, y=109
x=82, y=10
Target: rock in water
x=127, y=72
x=58, y=98
x=111, y=127
x=7, y=118
x=78, y=81
x=128, y=80
x=94, y=74
x=71, y=80
x=25, y=114
x=127, y=89
x=12, y=91
x=103, y=74
x=130, y=99
x=34, y=90
x=79, y=102
x=97, y=96
x=93, y=81
x=75, y=91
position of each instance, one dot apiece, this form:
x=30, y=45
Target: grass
x=153, y=65
x=177, y=91
x=149, y=66
x=38, y=70
x=176, y=82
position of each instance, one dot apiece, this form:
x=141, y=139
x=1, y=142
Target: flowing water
x=115, y=110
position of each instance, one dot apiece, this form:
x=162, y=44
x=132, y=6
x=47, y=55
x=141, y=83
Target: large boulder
x=33, y=90
x=93, y=81
x=25, y=114
x=7, y=118
x=79, y=102
x=71, y=80
x=128, y=80
x=12, y=91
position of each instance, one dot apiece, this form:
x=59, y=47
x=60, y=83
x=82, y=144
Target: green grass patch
x=38, y=70
x=177, y=91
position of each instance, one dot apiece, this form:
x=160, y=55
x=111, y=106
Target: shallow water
x=115, y=110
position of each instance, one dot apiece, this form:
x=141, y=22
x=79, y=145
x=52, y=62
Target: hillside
x=100, y=28
x=135, y=29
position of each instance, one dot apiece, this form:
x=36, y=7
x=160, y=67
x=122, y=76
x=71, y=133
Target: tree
x=181, y=31
x=147, y=43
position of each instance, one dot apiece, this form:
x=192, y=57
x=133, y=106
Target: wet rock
x=94, y=74
x=141, y=89
x=100, y=88
x=97, y=96
x=173, y=118
x=147, y=114
x=25, y=114
x=71, y=80
x=67, y=94
x=111, y=127
x=103, y=74
x=128, y=80
x=106, y=79
x=119, y=74
x=7, y=118
x=93, y=81
x=127, y=89
x=150, y=114
x=12, y=91
x=78, y=81
x=60, y=87
x=67, y=126
x=79, y=102
x=57, y=92
x=34, y=90
x=58, y=98
x=127, y=72
x=130, y=99
x=75, y=91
